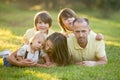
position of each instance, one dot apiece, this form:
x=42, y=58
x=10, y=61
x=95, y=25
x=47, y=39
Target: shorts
x=6, y=62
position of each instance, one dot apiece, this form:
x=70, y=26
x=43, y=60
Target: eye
x=84, y=31
x=39, y=22
x=39, y=42
x=77, y=31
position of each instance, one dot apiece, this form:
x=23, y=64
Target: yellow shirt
x=94, y=49
x=30, y=32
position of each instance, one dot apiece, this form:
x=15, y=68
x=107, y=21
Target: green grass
x=13, y=24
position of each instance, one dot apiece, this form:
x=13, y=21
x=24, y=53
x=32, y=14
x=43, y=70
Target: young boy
x=42, y=22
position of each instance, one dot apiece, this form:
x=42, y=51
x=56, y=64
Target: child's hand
x=99, y=37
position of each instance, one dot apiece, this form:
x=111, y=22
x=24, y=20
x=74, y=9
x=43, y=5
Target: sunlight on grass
x=112, y=43
x=1, y=61
x=8, y=40
x=44, y=76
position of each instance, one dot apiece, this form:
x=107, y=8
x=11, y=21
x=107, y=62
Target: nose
x=40, y=45
x=70, y=19
x=80, y=34
x=42, y=25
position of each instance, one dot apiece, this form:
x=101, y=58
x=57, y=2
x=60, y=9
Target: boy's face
x=37, y=44
x=68, y=22
x=42, y=26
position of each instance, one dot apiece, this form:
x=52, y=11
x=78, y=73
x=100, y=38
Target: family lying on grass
x=75, y=44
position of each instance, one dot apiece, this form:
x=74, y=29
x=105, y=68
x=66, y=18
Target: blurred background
x=105, y=7
x=16, y=16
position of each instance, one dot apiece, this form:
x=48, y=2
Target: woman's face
x=68, y=22
x=49, y=47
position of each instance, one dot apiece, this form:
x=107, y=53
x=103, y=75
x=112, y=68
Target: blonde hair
x=37, y=35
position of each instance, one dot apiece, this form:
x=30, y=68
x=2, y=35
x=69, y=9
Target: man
x=85, y=50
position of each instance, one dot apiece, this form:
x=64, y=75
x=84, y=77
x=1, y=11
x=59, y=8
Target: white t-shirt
x=34, y=56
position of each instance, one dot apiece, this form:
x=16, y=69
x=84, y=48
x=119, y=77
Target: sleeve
x=22, y=51
x=92, y=35
x=28, y=34
x=100, y=49
x=25, y=37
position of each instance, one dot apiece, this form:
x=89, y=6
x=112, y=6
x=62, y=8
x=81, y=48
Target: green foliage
x=14, y=24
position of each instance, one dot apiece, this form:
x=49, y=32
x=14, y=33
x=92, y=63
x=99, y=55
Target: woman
x=57, y=49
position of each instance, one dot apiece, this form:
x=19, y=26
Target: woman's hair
x=65, y=13
x=60, y=53
x=43, y=16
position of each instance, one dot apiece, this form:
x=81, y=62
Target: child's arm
x=97, y=36
x=19, y=58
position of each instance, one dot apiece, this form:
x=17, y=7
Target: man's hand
x=86, y=63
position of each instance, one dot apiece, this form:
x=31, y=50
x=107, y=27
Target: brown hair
x=65, y=13
x=60, y=53
x=44, y=16
x=81, y=20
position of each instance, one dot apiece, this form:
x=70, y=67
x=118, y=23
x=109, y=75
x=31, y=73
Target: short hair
x=81, y=20
x=44, y=16
x=60, y=53
x=65, y=13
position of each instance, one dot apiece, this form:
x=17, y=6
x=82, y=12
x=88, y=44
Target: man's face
x=81, y=31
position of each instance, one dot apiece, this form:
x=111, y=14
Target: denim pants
x=6, y=62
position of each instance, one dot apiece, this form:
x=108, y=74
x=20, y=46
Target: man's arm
x=101, y=61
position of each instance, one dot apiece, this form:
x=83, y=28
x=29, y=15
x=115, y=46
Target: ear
x=30, y=43
x=89, y=30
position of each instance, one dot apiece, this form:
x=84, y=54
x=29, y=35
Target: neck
x=32, y=50
x=46, y=32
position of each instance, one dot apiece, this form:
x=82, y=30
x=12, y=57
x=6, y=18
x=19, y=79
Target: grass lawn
x=13, y=24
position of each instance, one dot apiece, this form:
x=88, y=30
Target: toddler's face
x=37, y=44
